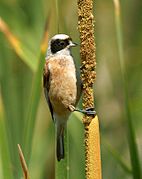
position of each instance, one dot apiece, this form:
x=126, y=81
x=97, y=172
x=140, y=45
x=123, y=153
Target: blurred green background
x=24, y=114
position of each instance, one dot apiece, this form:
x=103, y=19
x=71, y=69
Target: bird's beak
x=72, y=44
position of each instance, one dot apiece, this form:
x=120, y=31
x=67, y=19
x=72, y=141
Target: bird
x=62, y=86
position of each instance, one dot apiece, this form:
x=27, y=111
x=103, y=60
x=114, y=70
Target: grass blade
x=21, y=50
x=130, y=129
x=23, y=163
x=6, y=161
x=117, y=157
x=34, y=101
x=11, y=106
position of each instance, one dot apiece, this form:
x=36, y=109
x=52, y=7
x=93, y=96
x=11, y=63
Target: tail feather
x=60, y=148
x=60, y=143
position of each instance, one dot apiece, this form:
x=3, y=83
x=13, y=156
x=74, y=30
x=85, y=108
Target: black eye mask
x=58, y=44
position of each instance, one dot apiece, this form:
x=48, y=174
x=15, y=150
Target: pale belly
x=63, y=91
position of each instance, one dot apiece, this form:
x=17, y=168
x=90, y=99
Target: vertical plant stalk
x=57, y=15
x=62, y=167
x=130, y=130
x=88, y=75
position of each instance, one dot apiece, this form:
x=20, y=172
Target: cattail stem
x=88, y=75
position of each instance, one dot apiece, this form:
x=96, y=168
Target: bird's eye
x=62, y=43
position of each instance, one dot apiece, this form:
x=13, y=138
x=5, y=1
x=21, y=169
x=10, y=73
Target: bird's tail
x=60, y=142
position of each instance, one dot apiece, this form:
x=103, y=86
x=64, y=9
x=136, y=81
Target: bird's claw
x=88, y=111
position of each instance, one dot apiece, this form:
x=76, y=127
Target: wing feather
x=46, y=85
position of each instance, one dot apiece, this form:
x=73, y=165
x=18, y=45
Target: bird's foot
x=88, y=111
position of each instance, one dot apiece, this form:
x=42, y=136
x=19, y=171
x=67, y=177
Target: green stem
x=57, y=15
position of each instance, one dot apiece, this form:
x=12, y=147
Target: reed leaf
x=136, y=169
x=32, y=108
x=4, y=149
x=21, y=50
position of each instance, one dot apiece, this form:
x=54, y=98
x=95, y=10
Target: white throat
x=65, y=51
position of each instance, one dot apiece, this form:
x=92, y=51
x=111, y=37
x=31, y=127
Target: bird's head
x=60, y=43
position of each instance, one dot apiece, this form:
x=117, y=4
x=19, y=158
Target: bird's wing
x=46, y=75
